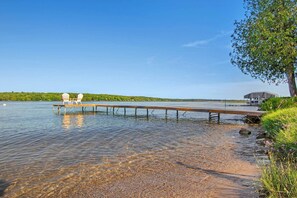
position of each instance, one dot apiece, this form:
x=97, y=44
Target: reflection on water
x=79, y=120
x=37, y=157
x=72, y=120
x=66, y=121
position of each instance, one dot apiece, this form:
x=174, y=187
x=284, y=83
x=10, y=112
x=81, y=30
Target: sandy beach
x=223, y=167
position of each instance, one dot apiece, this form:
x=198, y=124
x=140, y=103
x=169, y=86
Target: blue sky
x=161, y=48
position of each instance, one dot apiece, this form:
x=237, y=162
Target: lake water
x=42, y=152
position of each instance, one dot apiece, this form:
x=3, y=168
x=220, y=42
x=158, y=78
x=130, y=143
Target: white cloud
x=207, y=41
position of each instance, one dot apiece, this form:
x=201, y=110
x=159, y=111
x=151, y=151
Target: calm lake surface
x=41, y=150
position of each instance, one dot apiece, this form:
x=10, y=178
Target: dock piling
x=213, y=116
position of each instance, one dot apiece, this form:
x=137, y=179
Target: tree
x=265, y=42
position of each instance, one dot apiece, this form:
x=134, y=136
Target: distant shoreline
x=55, y=96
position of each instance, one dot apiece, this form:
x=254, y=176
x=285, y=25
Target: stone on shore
x=244, y=131
x=262, y=136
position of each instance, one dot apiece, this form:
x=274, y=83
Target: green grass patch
x=274, y=104
x=281, y=121
x=279, y=178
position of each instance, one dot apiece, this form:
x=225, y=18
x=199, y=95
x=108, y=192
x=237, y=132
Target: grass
x=274, y=104
x=284, y=120
x=279, y=178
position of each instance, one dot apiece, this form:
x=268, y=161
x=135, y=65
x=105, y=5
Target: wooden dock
x=213, y=113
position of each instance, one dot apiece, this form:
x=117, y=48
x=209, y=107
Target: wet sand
x=223, y=165
x=217, y=163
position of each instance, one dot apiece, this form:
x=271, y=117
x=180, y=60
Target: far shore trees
x=265, y=42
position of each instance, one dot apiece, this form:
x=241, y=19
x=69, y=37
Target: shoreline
x=225, y=167
x=216, y=164
x=208, y=158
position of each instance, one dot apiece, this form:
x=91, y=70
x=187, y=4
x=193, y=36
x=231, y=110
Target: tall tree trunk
x=292, y=83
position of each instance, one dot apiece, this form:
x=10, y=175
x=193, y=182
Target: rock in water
x=244, y=131
x=261, y=136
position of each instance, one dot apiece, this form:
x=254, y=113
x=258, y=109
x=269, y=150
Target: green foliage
x=280, y=120
x=273, y=104
x=279, y=178
x=286, y=140
x=32, y=96
x=265, y=42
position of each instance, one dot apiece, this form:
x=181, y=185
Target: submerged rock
x=244, y=131
x=261, y=136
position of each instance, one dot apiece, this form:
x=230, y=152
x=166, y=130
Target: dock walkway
x=213, y=113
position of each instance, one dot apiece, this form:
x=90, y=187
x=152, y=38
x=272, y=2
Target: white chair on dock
x=79, y=98
x=66, y=98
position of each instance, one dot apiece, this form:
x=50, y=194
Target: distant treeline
x=37, y=96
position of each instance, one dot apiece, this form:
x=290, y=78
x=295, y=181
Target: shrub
x=273, y=104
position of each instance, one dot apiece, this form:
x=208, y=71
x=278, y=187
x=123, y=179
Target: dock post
x=147, y=113
x=82, y=109
x=58, y=110
x=209, y=117
x=96, y=108
x=107, y=110
x=219, y=117
x=177, y=114
x=135, y=112
x=112, y=110
x=124, y=111
x=93, y=109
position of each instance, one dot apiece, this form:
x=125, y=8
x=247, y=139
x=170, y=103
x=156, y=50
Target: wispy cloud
x=207, y=41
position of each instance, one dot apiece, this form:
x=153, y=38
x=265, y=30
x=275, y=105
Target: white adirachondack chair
x=65, y=98
x=79, y=98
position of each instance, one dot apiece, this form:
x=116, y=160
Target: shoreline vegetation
x=279, y=178
x=55, y=96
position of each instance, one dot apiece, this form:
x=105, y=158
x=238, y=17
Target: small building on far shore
x=256, y=98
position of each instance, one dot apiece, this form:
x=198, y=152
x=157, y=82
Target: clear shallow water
x=39, y=148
